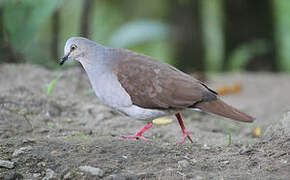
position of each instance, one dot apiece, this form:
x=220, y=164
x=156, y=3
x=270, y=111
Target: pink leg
x=185, y=133
x=138, y=135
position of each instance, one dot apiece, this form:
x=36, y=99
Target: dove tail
x=219, y=107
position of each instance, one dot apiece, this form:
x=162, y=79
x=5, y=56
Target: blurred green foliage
x=143, y=35
x=241, y=56
x=23, y=18
x=282, y=33
x=137, y=32
x=149, y=27
x=213, y=33
x=28, y=25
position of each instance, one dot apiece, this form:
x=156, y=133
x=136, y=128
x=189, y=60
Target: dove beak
x=64, y=58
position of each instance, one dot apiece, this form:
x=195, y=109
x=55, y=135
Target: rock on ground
x=21, y=150
x=6, y=164
x=92, y=170
x=49, y=174
x=279, y=129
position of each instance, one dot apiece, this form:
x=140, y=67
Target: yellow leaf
x=257, y=132
x=236, y=87
x=163, y=120
x=222, y=89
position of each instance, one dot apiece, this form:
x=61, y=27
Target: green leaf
x=51, y=84
x=229, y=138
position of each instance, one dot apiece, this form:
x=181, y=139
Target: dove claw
x=186, y=134
x=138, y=135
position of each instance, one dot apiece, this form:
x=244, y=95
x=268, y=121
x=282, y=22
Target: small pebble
x=67, y=176
x=199, y=178
x=36, y=175
x=43, y=130
x=55, y=153
x=41, y=164
x=49, y=174
x=183, y=164
x=21, y=150
x=225, y=162
x=284, y=161
x=100, y=117
x=205, y=147
x=28, y=140
x=92, y=170
x=6, y=164
x=193, y=161
x=122, y=176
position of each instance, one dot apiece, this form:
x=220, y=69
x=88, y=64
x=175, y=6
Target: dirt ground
x=70, y=135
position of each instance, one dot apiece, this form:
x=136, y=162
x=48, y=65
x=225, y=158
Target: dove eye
x=73, y=47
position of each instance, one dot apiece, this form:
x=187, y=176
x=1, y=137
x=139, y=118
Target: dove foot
x=186, y=134
x=138, y=135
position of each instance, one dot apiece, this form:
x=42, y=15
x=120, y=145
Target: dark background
x=194, y=35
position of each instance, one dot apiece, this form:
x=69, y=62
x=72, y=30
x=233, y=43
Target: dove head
x=78, y=48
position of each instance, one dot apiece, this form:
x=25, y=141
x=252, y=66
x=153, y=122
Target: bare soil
x=70, y=128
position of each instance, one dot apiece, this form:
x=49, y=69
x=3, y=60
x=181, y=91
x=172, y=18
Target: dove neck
x=106, y=85
x=95, y=68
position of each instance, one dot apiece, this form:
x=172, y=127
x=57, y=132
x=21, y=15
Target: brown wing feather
x=221, y=108
x=153, y=84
